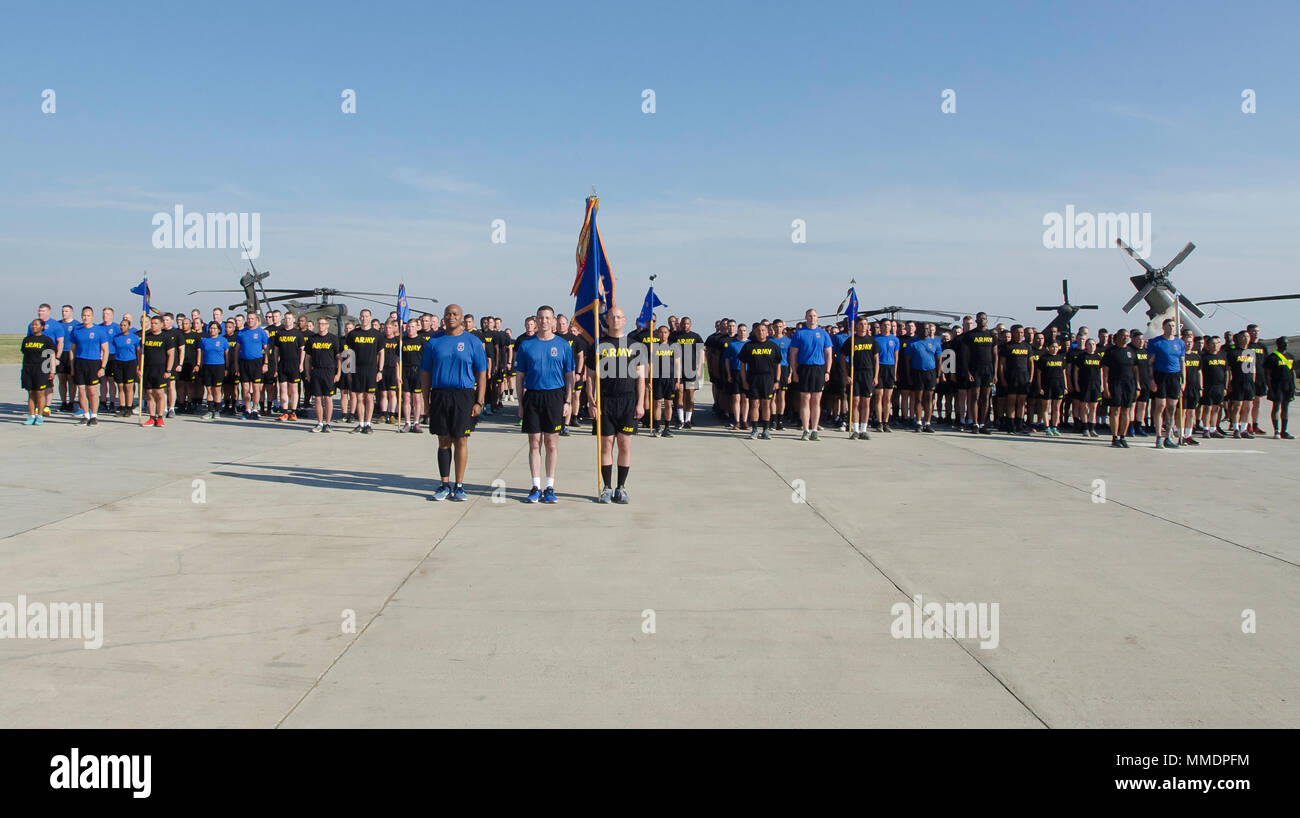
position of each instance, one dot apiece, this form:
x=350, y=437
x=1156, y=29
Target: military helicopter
x=1065, y=312
x=257, y=299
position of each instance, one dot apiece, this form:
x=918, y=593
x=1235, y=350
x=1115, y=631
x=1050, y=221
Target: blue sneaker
x=31, y=420
x=78, y=413
x=548, y=496
x=458, y=494
x=40, y=420
x=443, y=492
x=534, y=496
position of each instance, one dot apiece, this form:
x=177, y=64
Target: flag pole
x=401, y=339
x=1178, y=333
x=595, y=346
x=651, y=363
x=853, y=333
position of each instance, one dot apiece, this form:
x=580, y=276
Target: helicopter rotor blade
x=1248, y=300
x=1136, y=257
x=1138, y=296
x=1178, y=259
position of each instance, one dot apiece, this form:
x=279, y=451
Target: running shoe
x=620, y=496
x=548, y=496
x=766, y=435
x=534, y=496
x=606, y=496
x=458, y=495
x=31, y=420
x=441, y=493
x=814, y=435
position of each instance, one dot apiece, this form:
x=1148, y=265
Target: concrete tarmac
x=231, y=558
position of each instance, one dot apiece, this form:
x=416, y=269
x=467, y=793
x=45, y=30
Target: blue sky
x=765, y=113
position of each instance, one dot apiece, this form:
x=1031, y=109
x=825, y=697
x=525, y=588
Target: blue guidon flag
x=648, y=308
x=594, y=285
x=403, y=309
x=142, y=290
x=849, y=306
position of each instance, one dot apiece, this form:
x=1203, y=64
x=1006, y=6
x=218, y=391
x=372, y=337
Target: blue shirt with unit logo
x=454, y=361
x=252, y=343
x=888, y=346
x=213, y=350
x=811, y=345
x=89, y=342
x=125, y=345
x=923, y=353
x=543, y=363
x=1168, y=354
x=784, y=344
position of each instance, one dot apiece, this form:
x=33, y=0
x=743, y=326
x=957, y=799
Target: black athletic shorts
x=731, y=384
x=250, y=371
x=925, y=379
x=886, y=376
x=1191, y=397
x=1169, y=385
x=363, y=380
x=412, y=382
x=1212, y=395
x=618, y=415
x=85, y=372
x=812, y=378
x=1282, y=393
x=1243, y=389
x=124, y=371
x=389, y=382
x=1090, y=393
x=451, y=412
x=1053, y=389
x=65, y=363
x=322, y=383
x=1017, y=384
x=34, y=380
x=213, y=374
x=862, y=383
x=1122, y=394
x=543, y=411
x=187, y=372
x=761, y=387
x=665, y=389
x=983, y=376
x=289, y=371
x=155, y=377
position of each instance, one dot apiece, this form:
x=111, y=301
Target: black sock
x=606, y=473
x=444, y=463
x=622, y=475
